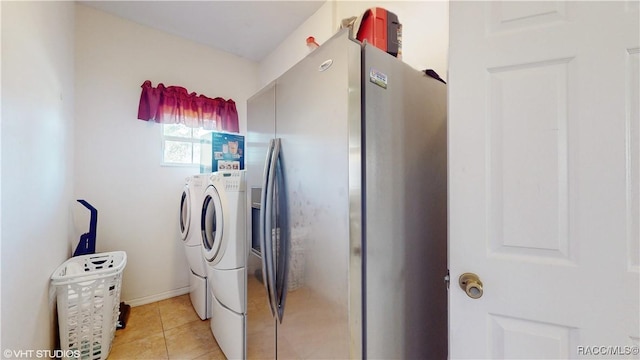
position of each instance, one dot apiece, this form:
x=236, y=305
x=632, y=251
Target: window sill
x=178, y=165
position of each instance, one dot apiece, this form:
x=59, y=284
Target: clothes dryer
x=190, y=206
x=224, y=249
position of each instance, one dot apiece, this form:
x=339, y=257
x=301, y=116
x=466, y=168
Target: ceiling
x=250, y=29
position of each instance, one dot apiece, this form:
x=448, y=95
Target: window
x=181, y=144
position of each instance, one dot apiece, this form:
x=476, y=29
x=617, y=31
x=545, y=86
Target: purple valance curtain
x=174, y=105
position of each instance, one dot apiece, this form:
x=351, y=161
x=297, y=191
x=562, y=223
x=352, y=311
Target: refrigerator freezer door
x=405, y=155
x=313, y=107
x=261, y=328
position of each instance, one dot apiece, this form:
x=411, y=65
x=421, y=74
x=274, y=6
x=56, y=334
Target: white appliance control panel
x=233, y=180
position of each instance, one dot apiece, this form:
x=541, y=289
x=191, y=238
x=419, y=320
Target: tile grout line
x=164, y=336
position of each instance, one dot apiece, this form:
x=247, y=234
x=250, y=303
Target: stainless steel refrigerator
x=347, y=177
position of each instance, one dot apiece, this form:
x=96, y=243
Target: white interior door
x=544, y=182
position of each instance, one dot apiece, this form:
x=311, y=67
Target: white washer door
x=212, y=226
x=185, y=213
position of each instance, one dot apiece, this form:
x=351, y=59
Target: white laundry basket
x=88, y=297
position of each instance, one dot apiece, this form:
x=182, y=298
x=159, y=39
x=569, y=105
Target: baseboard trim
x=157, y=297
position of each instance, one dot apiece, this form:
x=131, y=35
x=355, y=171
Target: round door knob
x=471, y=284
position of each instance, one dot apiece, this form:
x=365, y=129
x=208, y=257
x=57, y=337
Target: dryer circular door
x=185, y=213
x=212, y=226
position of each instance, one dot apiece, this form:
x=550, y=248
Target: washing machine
x=225, y=251
x=190, y=206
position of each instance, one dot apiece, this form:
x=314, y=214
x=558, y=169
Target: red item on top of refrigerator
x=382, y=29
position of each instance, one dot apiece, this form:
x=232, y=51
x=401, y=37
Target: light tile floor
x=167, y=329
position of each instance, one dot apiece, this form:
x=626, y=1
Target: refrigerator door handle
x=283, y=241
x=265, y=229
x=271, y=230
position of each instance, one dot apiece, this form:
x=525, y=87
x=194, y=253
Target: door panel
x=529, y=161
x=543, y=146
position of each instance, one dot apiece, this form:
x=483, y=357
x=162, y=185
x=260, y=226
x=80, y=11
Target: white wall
x=294, y=47
x=37, y=165
x=118, y=157
x=425, y=39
